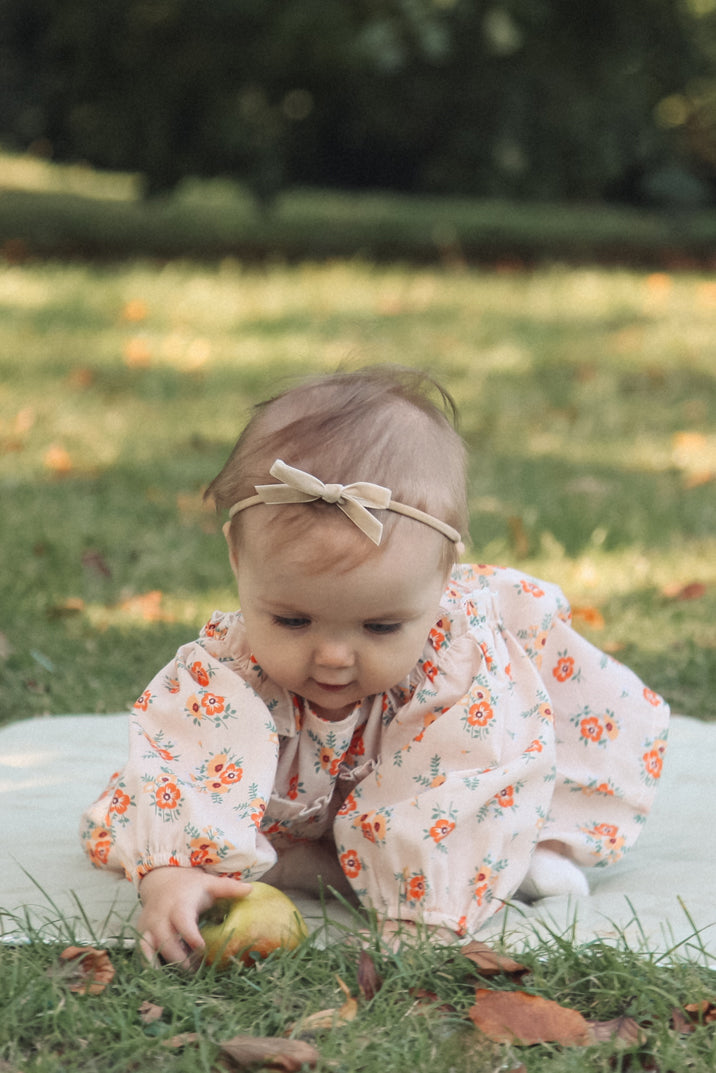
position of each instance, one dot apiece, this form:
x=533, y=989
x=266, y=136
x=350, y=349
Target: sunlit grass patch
x=586, y=400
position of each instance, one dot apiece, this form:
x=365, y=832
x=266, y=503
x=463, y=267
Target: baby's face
x=335, y=636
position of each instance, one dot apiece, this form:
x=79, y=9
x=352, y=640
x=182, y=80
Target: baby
x=431, y=737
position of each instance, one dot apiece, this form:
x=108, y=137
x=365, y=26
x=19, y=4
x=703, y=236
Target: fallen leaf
x=623, y=1030
x=149, y=1012
x=701, y=1013
x=517, y=1017
x=331, y=1018
x=182, y=1039
x=491, y=963
x=428, y=1002
x=369, y=982
x=95, y=562
x=88, y=971
x=73, y=605
x=288, y=1054
x=135, y=310
x=590, y=616
x=693, y=591
x=57, y=459
x=137, y=353
x=147, y=606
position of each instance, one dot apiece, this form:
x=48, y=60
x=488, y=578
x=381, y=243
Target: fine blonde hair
x=388, y=425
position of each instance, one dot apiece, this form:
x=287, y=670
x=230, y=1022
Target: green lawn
x=587, y=399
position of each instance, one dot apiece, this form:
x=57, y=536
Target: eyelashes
x=378, y=629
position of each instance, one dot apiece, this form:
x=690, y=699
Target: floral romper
x=512, y=729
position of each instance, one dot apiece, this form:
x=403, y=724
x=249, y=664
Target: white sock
x=551, y=873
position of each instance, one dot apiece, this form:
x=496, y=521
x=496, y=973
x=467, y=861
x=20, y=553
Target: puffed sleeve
x=203, y=750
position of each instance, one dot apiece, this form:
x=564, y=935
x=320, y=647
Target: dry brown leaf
x=369, y=982
x=693, y=591
x=489, y=962
x=95, y=562
x=621, y=1030
x=331, y=1018
x=89, y=971
x=696, y=1013
x=517, y=1017
x=175, y=1043
x=149, y=1012
x=288, y=1054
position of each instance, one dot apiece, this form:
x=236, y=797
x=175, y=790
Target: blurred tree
x=526, y=98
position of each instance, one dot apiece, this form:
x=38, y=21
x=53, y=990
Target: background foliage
x=523, y=98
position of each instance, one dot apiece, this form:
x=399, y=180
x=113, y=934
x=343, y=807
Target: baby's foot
x=551, y=873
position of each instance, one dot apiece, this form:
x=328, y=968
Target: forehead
x=332, y=557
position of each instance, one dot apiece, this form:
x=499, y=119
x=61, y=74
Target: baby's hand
x=172, y=900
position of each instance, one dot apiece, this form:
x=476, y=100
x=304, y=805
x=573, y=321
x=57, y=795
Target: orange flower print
x=487, y=655
x=611, y=727
x=167, y=796
x=292, y=792
x=591, y=729
x=212, y=704
x=350, y=863
x=99, y=845
x=193, y=706
x=437, y=636
x=120, y=802
x=199, y=673
x=431, y=671
x=653, y=698
x=564, y=668
x=605, y=830
x=231, y=775
x=373, y=827
x=203, y=851
x=171, y=684
x=535, y=746
x=480, y=714
x=546, y=711
x=357, y=745
x=506, y=797
x=417, y=888
x=653, y=763
x=259, y=807
x=143, y=702
x=328, y=760
x=348, y=806
x=532, y=589
x=441, y=829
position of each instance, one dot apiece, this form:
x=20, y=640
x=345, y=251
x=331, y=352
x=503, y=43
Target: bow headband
x=355, y=500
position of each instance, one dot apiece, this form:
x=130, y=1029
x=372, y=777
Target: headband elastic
x=355, y=500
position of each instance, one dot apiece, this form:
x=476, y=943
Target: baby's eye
x=290, y=622
x=381, y=628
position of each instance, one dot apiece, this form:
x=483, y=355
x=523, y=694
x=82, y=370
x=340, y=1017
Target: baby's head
x=383, y=425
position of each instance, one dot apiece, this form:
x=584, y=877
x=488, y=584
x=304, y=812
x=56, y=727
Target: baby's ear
x=233, y=556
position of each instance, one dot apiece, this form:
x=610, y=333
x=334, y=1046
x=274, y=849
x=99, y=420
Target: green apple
x=249, y=928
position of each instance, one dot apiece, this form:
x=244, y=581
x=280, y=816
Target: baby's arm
x=172, y=899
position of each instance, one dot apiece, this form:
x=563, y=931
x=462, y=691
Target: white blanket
x=660, y=896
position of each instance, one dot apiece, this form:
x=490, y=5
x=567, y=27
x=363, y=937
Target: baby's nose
x=334, y=653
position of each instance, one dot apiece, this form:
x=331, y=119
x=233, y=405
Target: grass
x=50, y=1028
x=587, y=399
x=587, y=402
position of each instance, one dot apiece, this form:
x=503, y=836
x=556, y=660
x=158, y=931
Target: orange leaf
x=332, y=1018
x=149, y=1012
x=288, y=1054
x=517, y=1017
x=489, y=962
x=90, y=970
x=57, y=459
